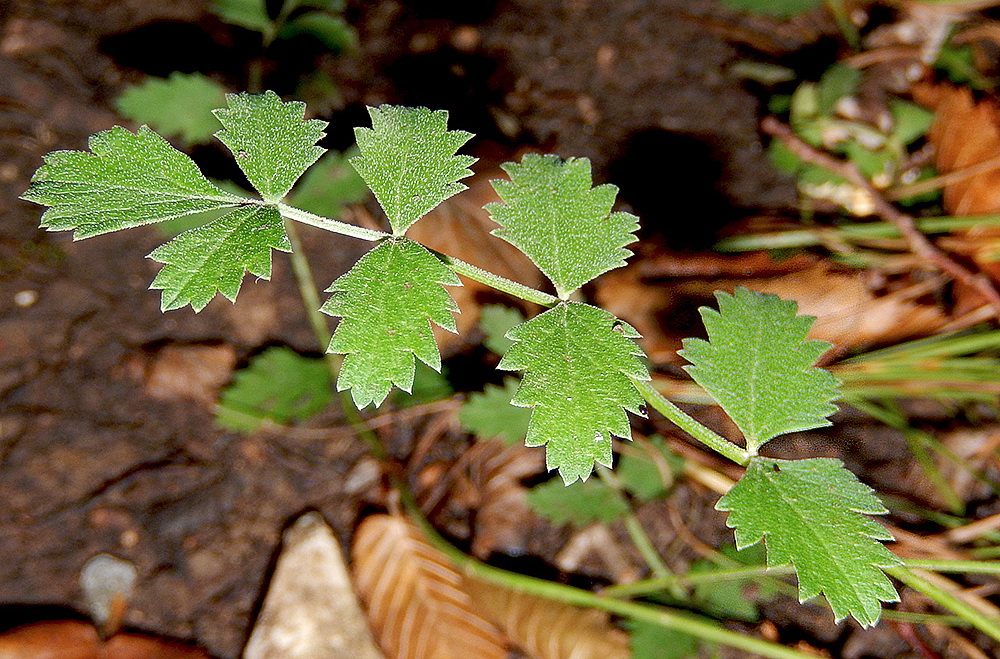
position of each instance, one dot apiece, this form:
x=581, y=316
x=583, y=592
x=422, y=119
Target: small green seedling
x=582, y=369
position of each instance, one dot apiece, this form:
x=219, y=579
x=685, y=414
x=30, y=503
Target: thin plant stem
x=503, y=284
x=956, y=566
x=976, y=618
x=639, y=537
x=844, y=23
x=658, y=584
x=329, y=224
x=710, y=439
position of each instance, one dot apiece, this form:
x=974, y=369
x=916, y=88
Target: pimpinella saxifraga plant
x=582, y=372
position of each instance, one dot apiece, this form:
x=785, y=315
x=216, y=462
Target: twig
x=917, y=241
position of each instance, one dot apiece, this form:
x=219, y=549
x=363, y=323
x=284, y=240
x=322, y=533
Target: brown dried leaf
x=71, y=639
x=190, y=372
x=546, y=629
x=415, y=598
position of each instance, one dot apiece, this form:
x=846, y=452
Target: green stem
x=503, y=284
x=639, y=537
x=328, y=224
x=659, y=584
x=963, y=567
x=684, y=422
x=976, y=618
x=661, y=616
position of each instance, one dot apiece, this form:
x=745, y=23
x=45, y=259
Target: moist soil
x=106, y=436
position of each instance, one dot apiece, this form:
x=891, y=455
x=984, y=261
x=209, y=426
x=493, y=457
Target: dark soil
x=100, y=452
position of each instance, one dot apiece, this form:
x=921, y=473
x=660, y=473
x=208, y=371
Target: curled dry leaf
x=545, y=629
x=71, y=639
x=415, y=598
x=311, y=611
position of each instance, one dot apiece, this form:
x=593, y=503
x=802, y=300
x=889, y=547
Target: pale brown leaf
x=545, y=629
x=415, y=598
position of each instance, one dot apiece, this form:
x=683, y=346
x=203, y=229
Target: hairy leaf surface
x=128, y=179
x=579, y=362
x=279, y=385
x=758, y=365
x=271, y=141
x=551, y=213
x=386, y=303
x=214, y=257
x=408, y=160
x=812, y=515
x=180, y=105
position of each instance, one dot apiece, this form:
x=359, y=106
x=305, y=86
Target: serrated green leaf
x=489, y=414
x=214, y=257
x=496, y=320
x=128, y=179
x=428, y=386
x=649, y=641
x=249, y=14
x=564, y=226
x=178, y=225
x=333, y=31
x=180, y=105
x=579, y=362
x=648, y=476
x=758, y=365
x=812, y=515
x=408, y=160
x=328, y=186
x=578, y=503
x=779, y=8
x=386, y=303
x=279, y=385
x=272, y=142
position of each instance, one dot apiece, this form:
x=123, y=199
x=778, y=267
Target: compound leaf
x=180, y=105
x=386, y=303
x=812, y=514
x=127, y=180
x=489, y=414
x=580, y=503
x=279, y=385
x=214, y=257
x=564, y=226
x=758, y=365
x=272, y=142
x=579, y=362
x=408, y=160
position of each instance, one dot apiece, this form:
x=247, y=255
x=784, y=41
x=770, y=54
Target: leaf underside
x=386, y=303
x=214, y=257
x=579, y=362
x=758, y=365
x=551, y=213
x=408, y=160
x=272, y=143
x=127, y=180
x=812, y=514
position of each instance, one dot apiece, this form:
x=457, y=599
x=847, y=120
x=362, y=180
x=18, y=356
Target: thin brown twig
x=915, y=239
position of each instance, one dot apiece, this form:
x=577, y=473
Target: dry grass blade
x=550, y=630
x=415, y=598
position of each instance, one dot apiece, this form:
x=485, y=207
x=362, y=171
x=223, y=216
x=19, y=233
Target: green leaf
x=837, y=82
x=726, y=598
x=271, y=141
x=279, y=385
x=758, y=365
x=496, y=320
x=249, y=14
x=408, y=160
x=178, y=225
x=328, y=186
x=649, y=476
x=779, y=8
x=579, y=362
x=180, y=105
x=579, y=503
x=127, y=180
x=564, y=226
x=649, y=641
x=812, y=514
x=428, y=386
x=386, y=303
x=214, y=257
x=489, y=414
x=332, y=31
